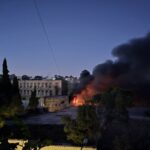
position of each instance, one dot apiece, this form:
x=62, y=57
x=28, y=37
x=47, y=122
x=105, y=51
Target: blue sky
x=82, y=33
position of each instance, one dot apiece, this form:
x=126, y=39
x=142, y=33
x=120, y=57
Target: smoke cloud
x=130, y=70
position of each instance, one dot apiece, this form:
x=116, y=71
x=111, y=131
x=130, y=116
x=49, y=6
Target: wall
x=56, y=103
x=66, y=148
x=52, y=147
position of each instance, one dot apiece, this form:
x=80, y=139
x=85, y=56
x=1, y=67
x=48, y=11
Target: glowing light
x=84, y=96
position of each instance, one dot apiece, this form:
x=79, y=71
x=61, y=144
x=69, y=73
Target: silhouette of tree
x=86, y=125
x=5, y=85
x=33, y=101
x=25, y=77
x=16, y=97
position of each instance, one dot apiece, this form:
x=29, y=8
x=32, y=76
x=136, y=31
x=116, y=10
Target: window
x=46, y=93
x=46, y=85
x=50, y=93
x=42, y=85
x=30, y=85
x=34, y=84
x=38, y=85
x=56, y=90
x=27, y=92
x=50, y=85
x=27, y=85
x=20, y=85
x=56, y=83
x=42, y=93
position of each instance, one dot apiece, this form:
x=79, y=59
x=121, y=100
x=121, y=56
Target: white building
x=44, y=88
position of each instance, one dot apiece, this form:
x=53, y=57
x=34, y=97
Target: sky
x=82, y=33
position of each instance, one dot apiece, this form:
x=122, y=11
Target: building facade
x=56, y=103
x=44, y=88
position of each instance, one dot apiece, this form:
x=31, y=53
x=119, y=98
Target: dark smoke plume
x=85, y=79
x=130, y=70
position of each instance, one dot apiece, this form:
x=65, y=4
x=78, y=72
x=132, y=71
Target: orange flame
x=84, y=96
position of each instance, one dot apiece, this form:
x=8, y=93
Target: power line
x=46, y=35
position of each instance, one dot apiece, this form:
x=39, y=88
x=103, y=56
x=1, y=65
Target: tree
x=4, y=145
x=10, y=99
x=38, y=78
x=33, y=101
x=64, y=87
x=25, y=77
x=86, y=125
x=115, y=102
x=6, y=109
x=114, y=111
x=5, y=76
x=5, y=85
x=16, y=97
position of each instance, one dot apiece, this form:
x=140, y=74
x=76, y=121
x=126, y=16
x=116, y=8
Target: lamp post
x=85, y=141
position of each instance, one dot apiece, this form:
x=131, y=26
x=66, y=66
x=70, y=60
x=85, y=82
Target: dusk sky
x=82, y=33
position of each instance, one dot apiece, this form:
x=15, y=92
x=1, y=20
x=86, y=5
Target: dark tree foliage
x=56, y=90
x=33, y=101
x=16, y=97
x=97, y=98
x=4, y=145
x=23, y=128
x=64, y=87
x=5, y=76
x=115, y=101
x=86, y=125
x=10, y=103
x=92, y=122
x=38, y=78
x=5, y=95
x=25, y=77
x=5, y=85
x=15, y=86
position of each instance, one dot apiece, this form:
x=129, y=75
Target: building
x=44, y=88
x=56, y=103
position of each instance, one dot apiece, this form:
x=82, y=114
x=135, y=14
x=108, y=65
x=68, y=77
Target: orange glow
x=78, y=100
x=84, y=96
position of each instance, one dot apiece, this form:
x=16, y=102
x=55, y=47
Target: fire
x=78, y=100
x=84, y=96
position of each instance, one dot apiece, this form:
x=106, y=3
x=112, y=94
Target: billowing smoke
x=83, y=91
x=130, y=70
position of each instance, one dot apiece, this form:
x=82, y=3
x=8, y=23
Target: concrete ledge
x=21, y=144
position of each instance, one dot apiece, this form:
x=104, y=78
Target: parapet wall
x=66, y=148
x=52, y=147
